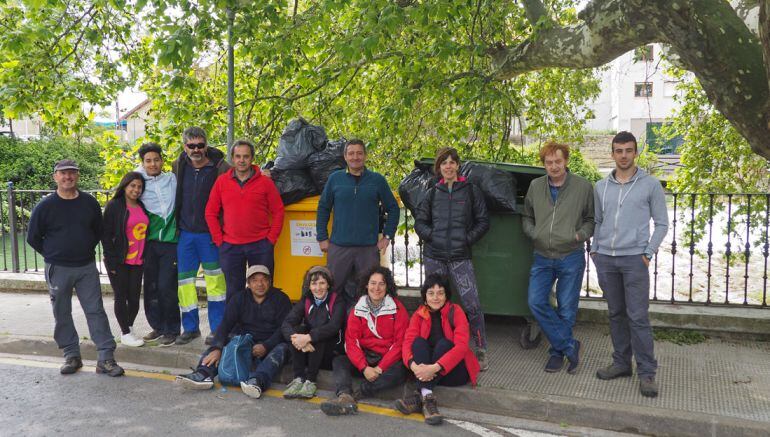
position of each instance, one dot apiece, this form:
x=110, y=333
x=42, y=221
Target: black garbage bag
x=323, y=163
x=298, y=141
x=498, y=186
x=414, y=187
x=294, y=185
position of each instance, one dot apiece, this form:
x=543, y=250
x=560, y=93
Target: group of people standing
x=160, y=228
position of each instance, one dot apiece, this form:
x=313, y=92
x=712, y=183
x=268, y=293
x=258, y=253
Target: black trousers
x=307, y=364
x=161, y=297
x=423, y=353
x=127, y=284
x=343, y=372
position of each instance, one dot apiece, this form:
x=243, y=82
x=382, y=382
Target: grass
x=679, y=336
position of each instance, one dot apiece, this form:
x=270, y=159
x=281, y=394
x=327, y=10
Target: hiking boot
x=71, y=365
x=130, y=340
x=152, y=336
x=343, y=405
x=166, y=340
x=251, y=388
x=430, y=410
x=209, y=340
x=109, y=367
x=293, y=389
x=481, y=356
x=648, y=387
x=307, y=391
x=187, y=337
x=195, y=381
x=612, y=371
x=554, y=364
x=574, y=359
x=409, y=404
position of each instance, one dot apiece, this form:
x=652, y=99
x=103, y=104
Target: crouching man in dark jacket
x=258, y=311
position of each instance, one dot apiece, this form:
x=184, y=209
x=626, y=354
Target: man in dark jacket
x=258, y=311
x=65, y=227
x=196, y=171
x=559, y=218
x=355, y=196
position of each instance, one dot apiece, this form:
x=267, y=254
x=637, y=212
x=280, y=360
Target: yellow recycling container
x=297, y=248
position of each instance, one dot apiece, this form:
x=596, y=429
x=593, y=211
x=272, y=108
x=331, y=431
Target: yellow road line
x=366, y=408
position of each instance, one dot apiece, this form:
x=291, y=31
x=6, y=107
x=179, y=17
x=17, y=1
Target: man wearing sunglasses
x=196, y=171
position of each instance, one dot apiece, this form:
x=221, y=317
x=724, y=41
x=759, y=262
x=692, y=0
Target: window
x=643, y=54
x=643, y=89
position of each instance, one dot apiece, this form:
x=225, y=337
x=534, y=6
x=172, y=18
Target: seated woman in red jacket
x=436, y=348
x=373, y=339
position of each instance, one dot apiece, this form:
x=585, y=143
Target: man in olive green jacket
x=559, y=218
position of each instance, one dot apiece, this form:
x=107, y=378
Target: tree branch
x=535, y=9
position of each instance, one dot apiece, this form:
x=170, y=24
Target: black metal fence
x=715, y=253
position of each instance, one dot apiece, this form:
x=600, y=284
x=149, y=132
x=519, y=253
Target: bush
x=29, y=164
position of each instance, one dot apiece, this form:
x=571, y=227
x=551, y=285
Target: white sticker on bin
x=303, y=238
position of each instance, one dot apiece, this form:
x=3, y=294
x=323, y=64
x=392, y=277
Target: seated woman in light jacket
x=436, y=348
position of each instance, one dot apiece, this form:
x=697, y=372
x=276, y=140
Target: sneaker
x=152, y=336
x=251, y=388
x=293, y=389
x=209, y=340
x=554, y=364
x=71, y=365
x=308, y=390
x=612, y=372
x=409, y=404
x=195, y=381
x=343, y=405
x=648, y=387
x=130, y=340
x=574, y=359
x=109, y=367
x=430, y=410
x=167, y=340
x=481, y=356
x=187, y=337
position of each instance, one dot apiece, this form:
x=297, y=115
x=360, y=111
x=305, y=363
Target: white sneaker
x=130, y=340
x=251, y=389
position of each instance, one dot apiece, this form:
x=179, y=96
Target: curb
x=549, y=408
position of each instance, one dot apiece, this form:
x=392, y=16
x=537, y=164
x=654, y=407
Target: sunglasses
x=196, y=145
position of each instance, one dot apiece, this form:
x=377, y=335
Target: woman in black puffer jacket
x=450, y=220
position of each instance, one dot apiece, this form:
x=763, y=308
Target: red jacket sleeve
x=412, y=332
x=275, y=206
x=352, y=347
x=394, y=353
x=213, y=208
x=461, y=337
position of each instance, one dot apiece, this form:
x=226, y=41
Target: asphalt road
x=37, y=401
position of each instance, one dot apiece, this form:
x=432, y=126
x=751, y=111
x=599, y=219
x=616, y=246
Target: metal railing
x=715, y=252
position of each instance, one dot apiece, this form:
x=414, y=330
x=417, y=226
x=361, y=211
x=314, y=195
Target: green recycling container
x=503, y=257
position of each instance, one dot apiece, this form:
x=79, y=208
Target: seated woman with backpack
x=313, y=327
x=373, y=337
x=436, y=348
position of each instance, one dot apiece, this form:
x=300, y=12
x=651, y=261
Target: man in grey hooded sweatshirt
x=624, y=202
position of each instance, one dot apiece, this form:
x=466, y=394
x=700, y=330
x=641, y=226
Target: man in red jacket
x=245, y=216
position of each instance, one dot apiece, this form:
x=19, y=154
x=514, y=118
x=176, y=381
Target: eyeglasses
x=196, y=145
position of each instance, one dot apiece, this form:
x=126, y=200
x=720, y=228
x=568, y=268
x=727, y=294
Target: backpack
x=235, y=362
x=329, y=305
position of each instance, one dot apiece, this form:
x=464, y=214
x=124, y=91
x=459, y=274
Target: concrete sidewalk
x=718, y=387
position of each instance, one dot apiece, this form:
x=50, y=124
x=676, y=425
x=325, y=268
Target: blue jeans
x=556, y=323
x=263, y=369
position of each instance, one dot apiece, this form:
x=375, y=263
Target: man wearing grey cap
x=65, y=227
x=259, y=310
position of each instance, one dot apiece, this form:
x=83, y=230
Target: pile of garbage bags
x=305, y=160
x=498, y=186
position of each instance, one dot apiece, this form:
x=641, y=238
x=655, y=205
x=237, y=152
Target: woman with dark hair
x=436, y=348
x=373, y=337
x=123, y=239
x=313, y=327
x=451, y=219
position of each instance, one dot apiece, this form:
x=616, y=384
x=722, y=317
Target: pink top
x=136, y=231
